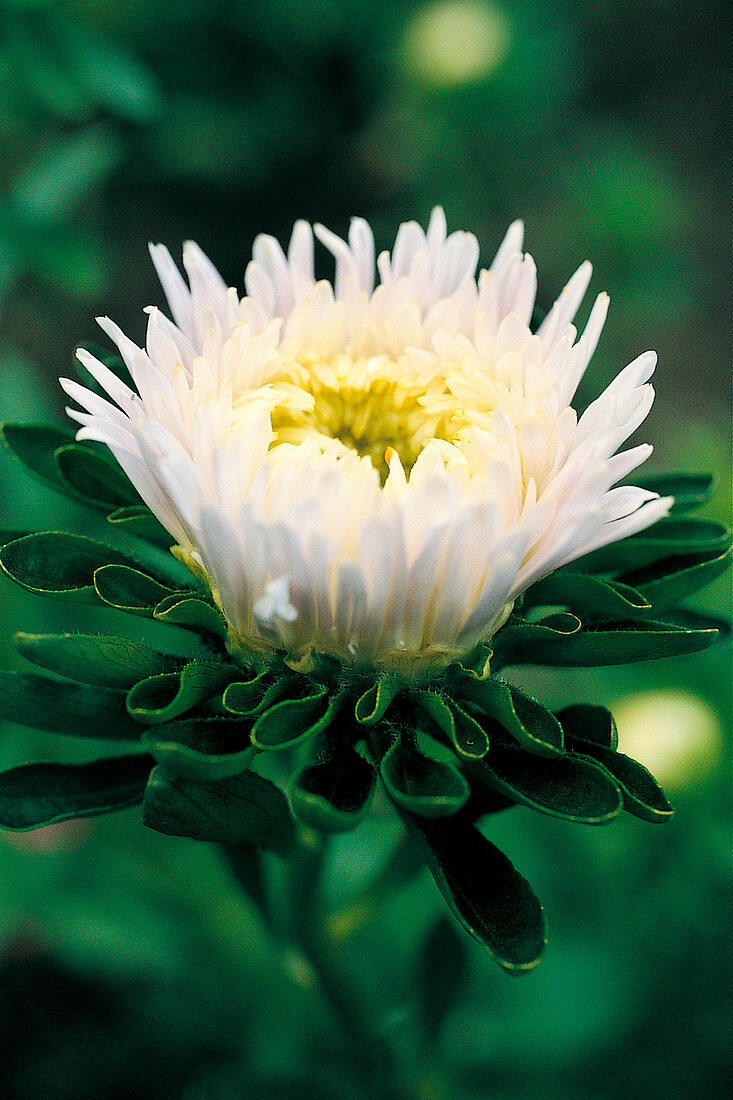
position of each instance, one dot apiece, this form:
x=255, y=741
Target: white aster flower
x=374, y=473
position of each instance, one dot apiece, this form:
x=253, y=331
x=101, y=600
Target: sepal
x=422, y=775
x=204, y=748
x=168, y=695
x=572, y=787
x=334, y=791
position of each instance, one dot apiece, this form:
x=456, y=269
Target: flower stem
x=309, y=929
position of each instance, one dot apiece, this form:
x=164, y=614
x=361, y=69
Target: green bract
x=448, y=753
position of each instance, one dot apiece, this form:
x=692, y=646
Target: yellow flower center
x=370, y=405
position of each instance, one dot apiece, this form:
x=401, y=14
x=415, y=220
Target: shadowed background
x=130, y=967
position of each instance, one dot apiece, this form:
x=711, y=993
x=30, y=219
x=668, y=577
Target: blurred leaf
x=244, y=809
x=140, y=521
x=41, y=794
x=670, y=581
x=92, y=658
x=61, y=177
x=440, y=976
x=689, y=490
x=67, y=708
x=94, y=477
x=111, y=75
x=601, y=644
x=590, y=598
x=663, y=539
x=35, y=445
x=493, y=903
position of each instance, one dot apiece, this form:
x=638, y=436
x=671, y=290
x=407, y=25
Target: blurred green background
x=130, y=968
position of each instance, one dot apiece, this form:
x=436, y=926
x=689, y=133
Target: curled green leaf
x=422, y=775
x=167, y=695
x=295, y=720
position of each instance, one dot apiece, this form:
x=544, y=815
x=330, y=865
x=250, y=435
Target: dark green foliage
x=41, y=794
x=492, y=902
x=77, y=709
x=243, y=809
x=92, y=658
x=167, y=695
x=334, y=792
x=201, y=748
x=422, y=775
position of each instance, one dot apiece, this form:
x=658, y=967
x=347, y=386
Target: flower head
x=371, y=473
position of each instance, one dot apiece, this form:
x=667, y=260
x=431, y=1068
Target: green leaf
x=586, y=722
x=668, y=582
x=529, y=723
x=521, y=641
x=244, y=809
x=11, y=534
x=602, y=644
x=689, y=490
x=247, y=697
x=35, y=445
x=128, y=589
x=590, y=598
x=422, y=775
x=202, y=748
x=493, y=903
x=65, y=707
x=372, y=705
x=91, y=658
x=93, y=476
x=293, y=721
x=167, y=695
x=62, y=176
x=642, y=795
x=466, y=735
x=334, y=792
x=42, y=794
x=139, y=520
x=663, y=539
x=58, y=564
x=571, y=787
x=193, y=612
x=440, y=976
